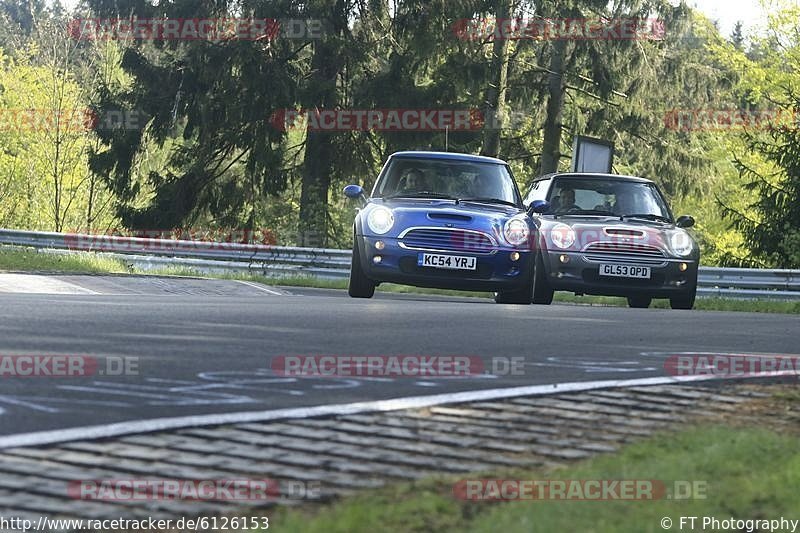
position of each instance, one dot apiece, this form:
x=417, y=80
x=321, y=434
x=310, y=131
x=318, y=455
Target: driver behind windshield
x=566, y=201
x=412, y=182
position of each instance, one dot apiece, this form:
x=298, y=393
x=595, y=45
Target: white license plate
x=625, y=271
x=453, y=262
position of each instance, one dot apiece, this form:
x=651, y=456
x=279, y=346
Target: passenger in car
x=482, y=187
x=625, y=203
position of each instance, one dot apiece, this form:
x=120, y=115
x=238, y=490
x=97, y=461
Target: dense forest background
x=132, y=134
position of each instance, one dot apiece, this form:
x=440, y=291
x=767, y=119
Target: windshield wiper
x=487, y=201
x=647, y=216
x=421, y=194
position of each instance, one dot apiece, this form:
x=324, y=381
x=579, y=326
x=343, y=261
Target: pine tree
x=773, y=234
x=207, y=105
x=737, y=37
x=769, y=163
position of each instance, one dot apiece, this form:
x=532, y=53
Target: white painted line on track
x=40, y=438
x=260, y=287
x=39, y=284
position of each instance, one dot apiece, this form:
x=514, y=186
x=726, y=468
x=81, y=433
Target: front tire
x=639, y=302
x=519, y=297
x=684, y=301
x=542, y=291
x=360, y=285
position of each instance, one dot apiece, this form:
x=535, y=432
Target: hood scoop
x=624, y=232
x=451, y=217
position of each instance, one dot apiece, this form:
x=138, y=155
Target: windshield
x=602, y=196
x=436, y=178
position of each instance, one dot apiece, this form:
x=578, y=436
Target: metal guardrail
x=748, y=283
x=328, y=263
x=198, y=255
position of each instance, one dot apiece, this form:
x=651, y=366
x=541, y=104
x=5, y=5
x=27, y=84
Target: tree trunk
x=555, y=104
x=326, y=65
x=315, y=185
x=494, y=105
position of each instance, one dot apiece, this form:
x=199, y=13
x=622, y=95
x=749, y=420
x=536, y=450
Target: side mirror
x=684, y=221
x=355, y=192
x=539, y=206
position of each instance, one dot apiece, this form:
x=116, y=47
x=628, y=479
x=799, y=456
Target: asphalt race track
x=206, y=346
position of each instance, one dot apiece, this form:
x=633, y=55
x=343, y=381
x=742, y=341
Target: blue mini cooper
x=443, y=220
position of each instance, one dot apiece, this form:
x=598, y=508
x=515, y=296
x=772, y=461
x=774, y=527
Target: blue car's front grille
x=446, y=239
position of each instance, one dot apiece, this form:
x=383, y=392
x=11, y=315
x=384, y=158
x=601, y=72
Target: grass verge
x=745, y=473
x=16, y=259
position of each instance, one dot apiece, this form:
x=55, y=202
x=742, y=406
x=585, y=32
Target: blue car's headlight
x=380, y=220
x=681, y=243
x=516, y=231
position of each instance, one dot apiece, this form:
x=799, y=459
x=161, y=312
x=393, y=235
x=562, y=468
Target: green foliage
x=26, y=260
x=747, y=473
x=45, y=135
x=207, y=105
x=773, y=235
x=768, y=162
x=206, y=153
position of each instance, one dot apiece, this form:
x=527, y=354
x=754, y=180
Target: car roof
x=452, y=156
x=594, y=175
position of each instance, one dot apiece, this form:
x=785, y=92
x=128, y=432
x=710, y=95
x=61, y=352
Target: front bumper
x=494, y=271
x=581, y=275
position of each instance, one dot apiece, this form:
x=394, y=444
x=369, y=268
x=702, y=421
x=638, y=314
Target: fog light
x=514, y=256
x=564, y=258
x=682, y=267
x=377, y=259
x=380, y=245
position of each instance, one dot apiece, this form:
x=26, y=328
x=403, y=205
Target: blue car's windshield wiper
x=487, y=201
x=647, y=216
x=420, y=194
